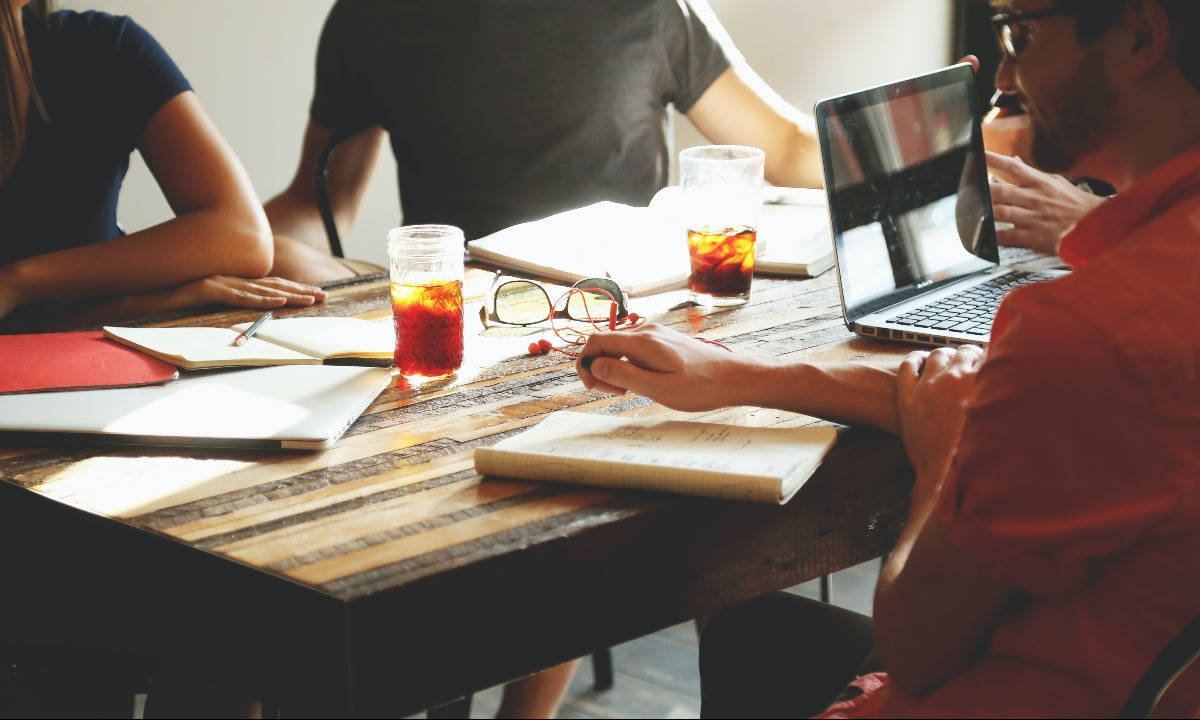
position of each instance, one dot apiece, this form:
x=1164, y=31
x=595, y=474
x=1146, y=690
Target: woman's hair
x=14, y=70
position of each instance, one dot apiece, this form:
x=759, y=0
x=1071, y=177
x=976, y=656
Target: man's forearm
x=845, y=392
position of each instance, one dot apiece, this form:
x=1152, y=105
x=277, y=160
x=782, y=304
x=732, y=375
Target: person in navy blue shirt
x=78, y=93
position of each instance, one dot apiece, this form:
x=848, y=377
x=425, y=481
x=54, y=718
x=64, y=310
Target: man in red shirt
x=1050, y=551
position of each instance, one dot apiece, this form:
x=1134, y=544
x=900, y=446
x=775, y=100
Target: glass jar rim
x=425, y=240
x=721, y=153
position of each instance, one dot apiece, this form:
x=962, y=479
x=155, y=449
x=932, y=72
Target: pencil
x=246, y=334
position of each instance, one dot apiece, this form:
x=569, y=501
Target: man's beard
x=1075, y=120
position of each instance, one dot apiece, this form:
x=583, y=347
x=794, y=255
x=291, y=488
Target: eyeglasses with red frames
x=517, y=301
x=1014, y=31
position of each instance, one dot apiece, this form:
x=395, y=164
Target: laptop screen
x=907, y=185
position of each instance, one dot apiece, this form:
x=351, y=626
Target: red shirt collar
x=1115, y=220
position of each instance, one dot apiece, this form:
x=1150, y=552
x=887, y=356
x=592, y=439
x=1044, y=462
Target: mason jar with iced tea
x=721, y=200
x=426, y=263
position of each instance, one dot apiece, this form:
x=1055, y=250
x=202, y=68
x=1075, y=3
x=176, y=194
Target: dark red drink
x=429, y=328
x=722, y=261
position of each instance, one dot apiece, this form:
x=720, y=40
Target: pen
x=246, y=334
x=1005, y=103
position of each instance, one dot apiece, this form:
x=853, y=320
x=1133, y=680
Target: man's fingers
x=966, y=358
x=1018, y=216
x=937, y=361
x=1011, y=168
x=1009, y=194
x=1014, y=237
x=618, y=374
x=910, y=370
x=638, y=345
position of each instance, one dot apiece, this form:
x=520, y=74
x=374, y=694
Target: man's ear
x=1148, y=36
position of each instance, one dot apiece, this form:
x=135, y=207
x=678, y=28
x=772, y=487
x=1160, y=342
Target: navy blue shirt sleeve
x=149, y=78
x=102, y=77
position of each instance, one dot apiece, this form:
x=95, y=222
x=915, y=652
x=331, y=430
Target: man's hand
x=1041, y=207
x=932, y=391
x=666, y=366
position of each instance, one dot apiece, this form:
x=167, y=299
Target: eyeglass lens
x=592, y=303
x=1013, y=39
x=520, y=302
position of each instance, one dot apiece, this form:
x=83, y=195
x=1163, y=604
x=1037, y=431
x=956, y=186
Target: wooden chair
x=602, y=672
x=1176, y=658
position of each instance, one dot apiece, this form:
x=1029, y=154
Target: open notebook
x=761, y=464
x=290, y=341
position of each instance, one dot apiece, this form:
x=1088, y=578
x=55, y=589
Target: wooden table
x=383, y=575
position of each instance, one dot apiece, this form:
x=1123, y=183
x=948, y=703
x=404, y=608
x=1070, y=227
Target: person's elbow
x=250, y=246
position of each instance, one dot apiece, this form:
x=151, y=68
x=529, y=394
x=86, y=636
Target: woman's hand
x=1041, y=207
x=932, y=391
x=266, y=293
x=10, y=299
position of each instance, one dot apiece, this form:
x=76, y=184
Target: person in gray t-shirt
x=503, y=111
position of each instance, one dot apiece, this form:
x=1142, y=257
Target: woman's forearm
x=203, y=242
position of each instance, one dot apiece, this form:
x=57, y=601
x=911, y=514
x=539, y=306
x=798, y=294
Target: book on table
x=632, y=245
x=794, y=238
x=288, y=341
x=42, y=362
x=760, y=464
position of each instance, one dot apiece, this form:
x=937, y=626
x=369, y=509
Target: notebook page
x=205, y=347
x=330, y=337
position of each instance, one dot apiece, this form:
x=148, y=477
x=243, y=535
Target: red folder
x=75, y=361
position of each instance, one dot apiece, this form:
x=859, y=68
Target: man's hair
x=1094, y=17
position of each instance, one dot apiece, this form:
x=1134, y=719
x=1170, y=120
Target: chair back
x=322, y=193
x=1173, y=661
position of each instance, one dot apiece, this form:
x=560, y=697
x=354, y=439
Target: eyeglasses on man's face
x=1015, y=30
x=515, y=301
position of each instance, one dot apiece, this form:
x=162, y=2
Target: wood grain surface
x=383, y=575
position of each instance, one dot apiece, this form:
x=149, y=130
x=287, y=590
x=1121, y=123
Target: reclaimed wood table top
x=383, y=575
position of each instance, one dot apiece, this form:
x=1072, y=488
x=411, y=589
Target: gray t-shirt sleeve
x=342, y=101
x=694, y=54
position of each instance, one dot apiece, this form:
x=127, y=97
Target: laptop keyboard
x=969, y=311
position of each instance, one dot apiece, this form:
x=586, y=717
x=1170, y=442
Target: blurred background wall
x=251, y=63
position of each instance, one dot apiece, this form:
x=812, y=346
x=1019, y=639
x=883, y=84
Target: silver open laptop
x=302, y=407
x=911, y=212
